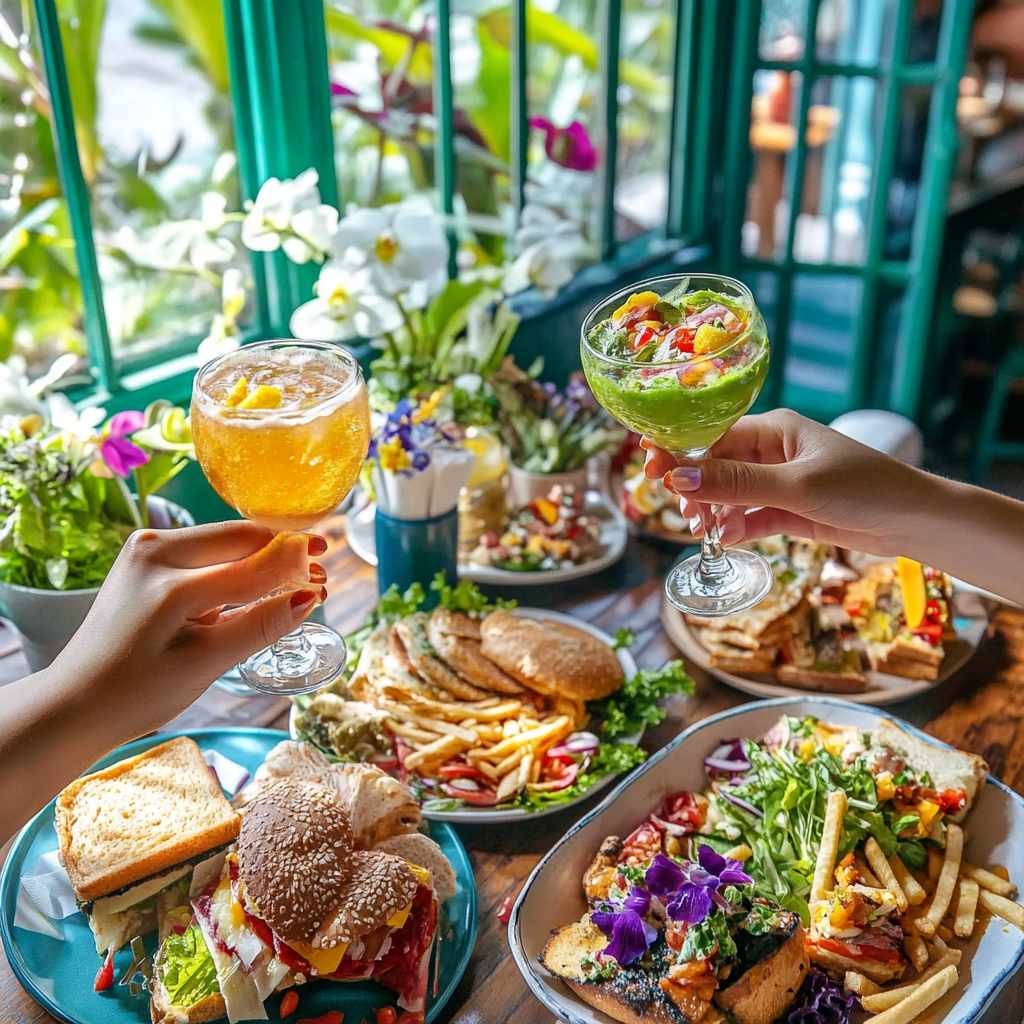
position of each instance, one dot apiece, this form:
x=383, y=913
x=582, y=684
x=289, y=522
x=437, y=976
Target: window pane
x=40, y=300
x=646, y=50
x=783, y=28
x=774, y=113
x=823, y=317
x=155, y=134
x=905, y=188
x=855, y=31
x=563, y=99
x=924, y=31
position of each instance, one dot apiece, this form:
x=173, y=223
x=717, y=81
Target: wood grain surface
x=980, y=709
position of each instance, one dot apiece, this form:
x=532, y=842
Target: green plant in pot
x=67, y=508
x=550, y=436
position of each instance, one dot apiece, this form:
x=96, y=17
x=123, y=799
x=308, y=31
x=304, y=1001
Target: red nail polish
x=317, y=573
x=317, y=545
x=323, y=594
x=302, y=599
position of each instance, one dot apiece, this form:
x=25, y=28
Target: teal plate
x=59, y=974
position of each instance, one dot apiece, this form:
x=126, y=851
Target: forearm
x=52, y=728
x=969, y=532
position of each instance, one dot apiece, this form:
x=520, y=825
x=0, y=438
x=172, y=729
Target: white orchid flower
x=208, y=247
x=549, y=249
x=404, y=244
x=270, y=223
x=347, y=305
x=82, y=425
x=16, y=397
x=225, y=335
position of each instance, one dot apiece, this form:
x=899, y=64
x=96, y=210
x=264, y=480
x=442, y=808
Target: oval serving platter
x=59, y=972
x=488, y=816
x=991, y=985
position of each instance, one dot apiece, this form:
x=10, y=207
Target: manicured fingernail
x=317, y=545
x=683, y=478
x=323, y=594
x=302, y=600
x=317, y=573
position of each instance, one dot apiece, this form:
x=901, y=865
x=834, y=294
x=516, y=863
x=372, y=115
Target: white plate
x=359, y=529
x=971, y=620
x=483, y=815
x=990, y=987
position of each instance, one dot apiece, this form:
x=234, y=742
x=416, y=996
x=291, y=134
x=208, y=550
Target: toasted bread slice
x=878, y=972
x=736, y=659
x=843, y=680
x=767, y=990
x=949, y=769
x=141, y=816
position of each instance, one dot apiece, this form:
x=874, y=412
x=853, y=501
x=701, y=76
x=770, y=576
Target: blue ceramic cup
x=416, y=550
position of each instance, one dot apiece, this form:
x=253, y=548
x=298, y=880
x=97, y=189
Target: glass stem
x=294, y=653
x=715, y=568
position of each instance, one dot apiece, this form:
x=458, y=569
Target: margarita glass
x=281, y=430
x=680, y=359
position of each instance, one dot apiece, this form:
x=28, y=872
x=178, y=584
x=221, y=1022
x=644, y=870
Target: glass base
x=307, y=659
x=745, y=581
x=233, y=683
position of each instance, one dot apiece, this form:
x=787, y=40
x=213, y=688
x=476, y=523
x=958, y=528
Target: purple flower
x=120, y=454
x=577, y=390
x=690, y=890
x=631, y=935
x=569, y=147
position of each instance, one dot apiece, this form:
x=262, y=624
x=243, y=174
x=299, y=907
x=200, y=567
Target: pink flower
x=569, y=147
x=120, y=454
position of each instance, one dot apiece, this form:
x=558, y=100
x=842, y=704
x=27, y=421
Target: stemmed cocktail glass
x=684, y=401
x=284, y=447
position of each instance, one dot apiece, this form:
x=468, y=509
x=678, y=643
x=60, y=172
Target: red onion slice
x=741, y=804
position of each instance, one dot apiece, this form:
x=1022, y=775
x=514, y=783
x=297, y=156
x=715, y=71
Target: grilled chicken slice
x=411, y=632
x=450, y=635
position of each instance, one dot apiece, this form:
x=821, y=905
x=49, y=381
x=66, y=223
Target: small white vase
x=48, y=619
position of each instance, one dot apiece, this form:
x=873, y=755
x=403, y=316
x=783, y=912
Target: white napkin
x=452, y=467
x=45, y=894
x=425, y=493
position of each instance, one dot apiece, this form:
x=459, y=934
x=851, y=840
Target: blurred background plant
x=547, y=431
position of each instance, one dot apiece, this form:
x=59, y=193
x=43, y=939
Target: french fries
x=966, y=908
x=1002, y=907
x=831, y=834
x=988, y=880
x=911, y=887
x=889, y=997
x=885, y=874
x=919, y=998
x=914, y=946
x=860, y=985
x=866, y=873
x=946, y=884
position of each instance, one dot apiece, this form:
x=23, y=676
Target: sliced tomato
x=504, y=914
x=642, y=337
x=479, y=797
x=952, y=801
x=681, y=338
x=883, y=956
x=411, y=1018
x=930, y=631
x=684, y=809
x=459, y=770
x=386, y=1016
x=105, y=975
x=643, y=845
x=289, y=1003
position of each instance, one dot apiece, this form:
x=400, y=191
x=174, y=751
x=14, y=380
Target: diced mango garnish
x=915, y=595
x=710, y=339
x=266, y=396
x=236, y=396
x=928, y=811
x=547, y=510
x=636, y=299
x=509, y=540
x=806, y=750
x=884, y=788
x=535, y=545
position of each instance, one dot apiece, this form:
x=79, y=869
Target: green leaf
x=201, y=25
x=81, y=31
x=624, y=637
x=636, y=706
x=492, y=116
x=188, y=970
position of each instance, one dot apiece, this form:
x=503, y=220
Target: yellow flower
x=393, y=457
x=428, y=407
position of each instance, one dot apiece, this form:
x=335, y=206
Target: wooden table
x=980, y=709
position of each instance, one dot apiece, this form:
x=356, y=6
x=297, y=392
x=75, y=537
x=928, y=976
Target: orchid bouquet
x=550, y=432
x=64, y=497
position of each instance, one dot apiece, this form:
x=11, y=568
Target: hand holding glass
x=281, y=431
x=680, y=359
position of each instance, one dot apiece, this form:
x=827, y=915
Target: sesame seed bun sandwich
x=298, y=900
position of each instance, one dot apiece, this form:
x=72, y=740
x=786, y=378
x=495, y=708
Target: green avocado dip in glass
x=680, y=368
x=680, y=359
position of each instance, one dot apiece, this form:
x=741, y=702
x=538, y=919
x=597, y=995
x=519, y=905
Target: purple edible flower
x=690, y=890
x=631, y=935
x=120, y=454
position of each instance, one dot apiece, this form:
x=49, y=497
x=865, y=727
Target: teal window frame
x=277, y=56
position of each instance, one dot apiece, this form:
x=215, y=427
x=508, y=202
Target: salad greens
x=636, y=706
x=189, y=974
x=778, y=810
x=610, y=759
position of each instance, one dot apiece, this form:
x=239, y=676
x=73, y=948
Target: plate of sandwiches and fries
x=794, y=860
x=873, y=630
x=487, y=713
x=146, y=892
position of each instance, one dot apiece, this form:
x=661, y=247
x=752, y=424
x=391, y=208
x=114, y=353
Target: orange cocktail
x=281, y=430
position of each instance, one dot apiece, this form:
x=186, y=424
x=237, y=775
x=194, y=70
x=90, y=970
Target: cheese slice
x=325, y=961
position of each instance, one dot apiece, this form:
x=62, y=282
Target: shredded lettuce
x=636, y=706
x=610, y=759
x=188, y=971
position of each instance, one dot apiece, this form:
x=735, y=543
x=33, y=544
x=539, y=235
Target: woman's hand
x=155, y=639
x=157, y=630
x=782, y=473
